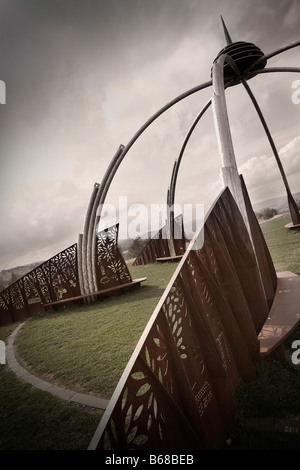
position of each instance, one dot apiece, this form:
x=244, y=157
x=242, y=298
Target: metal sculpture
x=111, y=270
x=55, y=279
x=236, y=63
x=163, y=246
x=58, y=279
x=177, y=391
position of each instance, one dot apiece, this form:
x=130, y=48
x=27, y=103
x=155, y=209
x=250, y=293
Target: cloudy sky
x=83, y=76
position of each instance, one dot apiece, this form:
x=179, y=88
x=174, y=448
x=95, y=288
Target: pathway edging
x=63, y=393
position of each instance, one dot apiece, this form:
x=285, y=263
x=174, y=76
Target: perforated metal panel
x=177, y=391
x=58, y=279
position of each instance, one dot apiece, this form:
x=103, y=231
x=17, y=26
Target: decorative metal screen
x=158, y=246
x=57, y=279
x=112, y=269
x=177, y=391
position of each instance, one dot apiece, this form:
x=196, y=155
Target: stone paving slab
x=60, y=392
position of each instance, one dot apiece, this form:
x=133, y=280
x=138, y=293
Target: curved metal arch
x=282, y=49
x=295, y=215
x=267, y=131
x=171, y=198
x=171, y=191
x=92, y=235
x=89, y=242
x=115, y=165
x=83, y=245
x=89, y=238
x=172, y=188
x=291, y=202
x=182, y=150
x=274, y=53
x=279, y=69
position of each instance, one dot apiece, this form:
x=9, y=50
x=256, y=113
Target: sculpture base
x=291, y=226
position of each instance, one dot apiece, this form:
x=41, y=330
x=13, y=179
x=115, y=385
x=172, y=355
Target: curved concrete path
x=63, y=393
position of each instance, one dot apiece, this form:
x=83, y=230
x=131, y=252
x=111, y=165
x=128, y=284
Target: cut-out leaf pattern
x=131, y=434
x=143, y=389
x=57, y=278
x=184, y=369
x=138, y=412
x=138, y=376
x=109, y=258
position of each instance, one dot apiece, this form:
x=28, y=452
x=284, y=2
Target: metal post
x=96, y=213
x=229, y=172
x=79, y=264
x=84, y=244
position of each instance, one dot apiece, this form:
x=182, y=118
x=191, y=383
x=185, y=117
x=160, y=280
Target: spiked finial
x=227, y=36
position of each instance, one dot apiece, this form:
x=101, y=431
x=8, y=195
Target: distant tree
x=267, y=213
x=135, y=248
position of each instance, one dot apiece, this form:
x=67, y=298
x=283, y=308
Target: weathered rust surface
x=267, y=273
x=111, y=267
x=55, y=279
x=58, y=279
x=177, y=391
x=159, y=247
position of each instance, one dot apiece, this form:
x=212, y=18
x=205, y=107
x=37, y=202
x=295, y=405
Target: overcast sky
x=83, y=76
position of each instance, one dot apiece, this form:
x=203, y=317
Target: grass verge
x=284, y=244
x=87, y=347
x=35, y=420
x=84, y=348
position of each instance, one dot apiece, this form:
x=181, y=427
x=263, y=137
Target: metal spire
x=227, y=35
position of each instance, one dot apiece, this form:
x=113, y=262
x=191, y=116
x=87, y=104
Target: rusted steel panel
x=158, y=246
x=177, y=391
x=58, y=279
x=55, y=279
x=267, y=273
x=111, y=267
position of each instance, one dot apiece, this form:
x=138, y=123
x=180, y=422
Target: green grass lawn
x=87, y=348
x=284, y=244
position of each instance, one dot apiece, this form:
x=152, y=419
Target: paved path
x=63, y=393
